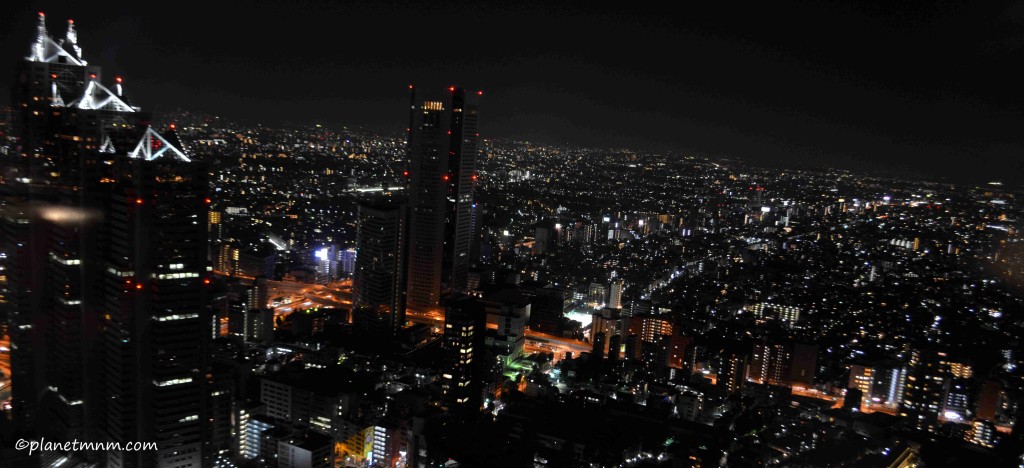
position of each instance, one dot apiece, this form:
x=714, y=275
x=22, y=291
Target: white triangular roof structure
x=152, y=146
x=98, y=97
x=107, y=146
x=45, y=49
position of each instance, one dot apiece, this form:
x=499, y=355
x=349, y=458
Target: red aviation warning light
x=138, y=285
x=71, y=21
x=138, y=201
x=118, y=79
x=207, y=200
x=172, y=126
x=451, y=88
x=405, y=173
x=206, y=280
x=444, y=177
x=479, y=93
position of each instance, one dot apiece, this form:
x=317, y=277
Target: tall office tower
x=926, y=380
x=67, y=125
x=156, y=306
x=108, y=241
x=464, y=323
x=379, y=280
x=443, y=151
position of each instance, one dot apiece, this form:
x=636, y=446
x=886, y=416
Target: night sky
x=928, y=88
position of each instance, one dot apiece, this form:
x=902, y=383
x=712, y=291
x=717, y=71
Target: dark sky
x=914, y=87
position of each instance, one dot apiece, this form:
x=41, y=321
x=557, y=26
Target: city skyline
x=702, y=84
x=187, y=289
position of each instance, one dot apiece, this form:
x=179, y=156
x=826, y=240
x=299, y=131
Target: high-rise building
x=107, y=255
x=596, y=295
x=731, y=371
x=607, y=322
x=615, y=294
x=771, y=363
x=649, y=328
x=379, y=280
x=508, y=312
x=804, y=364
x=155, y=310
x=926, y=380
x=889, y=379
x=549, y=305
x=443, y=149
x=67, y=125
x=464, y=323
x=862, y=378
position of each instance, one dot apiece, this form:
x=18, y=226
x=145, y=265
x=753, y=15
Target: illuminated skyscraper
x=443, y=150
x=926, y=381
x=68, y=127
x=106, y=238
x=154, y=311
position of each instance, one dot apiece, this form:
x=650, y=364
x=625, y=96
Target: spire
x=152, y=146
x=117, y=86
x=39, y=45
x=71, y=39
x=45, y=49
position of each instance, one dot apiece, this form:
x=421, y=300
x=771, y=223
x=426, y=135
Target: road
x=535, y=341
x=299, y=296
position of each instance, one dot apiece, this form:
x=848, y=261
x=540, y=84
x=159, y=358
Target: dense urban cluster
x=319, y=296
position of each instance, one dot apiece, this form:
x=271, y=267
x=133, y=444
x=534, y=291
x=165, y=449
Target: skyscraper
x=154, y=311
x=67, y=126
x=106, y=238
x=379, y=280
x=443, y=149
x=464, y=323
x=926, y=380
